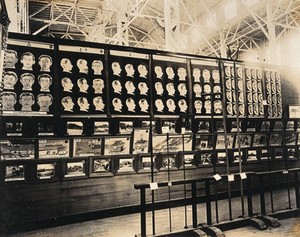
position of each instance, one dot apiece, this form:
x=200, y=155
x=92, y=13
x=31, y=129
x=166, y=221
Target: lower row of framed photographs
x=57, y=169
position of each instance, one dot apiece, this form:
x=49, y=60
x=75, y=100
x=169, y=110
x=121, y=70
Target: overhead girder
x=142, y=25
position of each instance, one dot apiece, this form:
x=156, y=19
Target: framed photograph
x=54, y=148
x=74, y=128
x=204, y=126
x=101, y=165
x=221, y=157
x=291, y=153
x=101, y=128
x=125, y=165
x=265, y=154
x=290, y=126
x=278, y=153
x=45, y=128
x=278, y=126
x=251, y=155
x=275, y=139
x=260, y=139
x=159, y=143
x=265, y=126
x=14, y=172
x=188, y=160
x=168, y=162
x=168, y=126
x=205, y=158
x=245, y=140
x=46, y=170
x=180, y=143
x=220, y=142
x=14, y=149
x=294, y=111
x=290, y=139
x=85, y=147
x=140, y=141
x=145, y=163
x=125, y=127
x=116, y=145
x=203, y=142
x=75, y=168
x=13, y=128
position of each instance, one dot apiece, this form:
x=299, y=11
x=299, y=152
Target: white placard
x=230, y=178
x=285, y=172
x=243, y=175
x=182, y=130
x=217, y=177
x=153, y=186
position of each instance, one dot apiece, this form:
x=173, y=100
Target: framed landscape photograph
x=116, y=145
x=74, y=128
x=101, y=165
x=125, y=127
x=159, y=143
x=101, y=128
x=54, y=148
x=75, y=168
x=46, y=171
x=251, y=155
x=14, y=173
x=125, y=165
x=14, y=149
x=85, y=147
x=146, y=163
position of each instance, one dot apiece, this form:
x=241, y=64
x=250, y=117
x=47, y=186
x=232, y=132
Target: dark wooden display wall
x=74, y=190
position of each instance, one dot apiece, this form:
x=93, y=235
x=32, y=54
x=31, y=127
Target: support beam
x=172, y=24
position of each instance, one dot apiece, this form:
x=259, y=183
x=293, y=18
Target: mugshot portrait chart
x=28, y=82
x=175, y=98
x=129, y=84
x=254, y=92
x=206, y=88
x=82, y=81
x=273, y=93
x=234, y=102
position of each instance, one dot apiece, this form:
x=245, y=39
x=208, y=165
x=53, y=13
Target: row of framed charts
x=46, y=79
x=22, y=149
x=65, y=169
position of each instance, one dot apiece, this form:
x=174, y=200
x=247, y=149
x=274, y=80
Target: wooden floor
x=173, y=220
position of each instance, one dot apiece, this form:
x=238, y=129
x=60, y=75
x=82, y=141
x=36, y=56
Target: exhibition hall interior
x=138, y=118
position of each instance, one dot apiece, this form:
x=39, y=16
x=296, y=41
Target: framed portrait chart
x=234, y=90
x=129, y=84
x=82, y=81
x=170, y=86
x=28, y=79
x=273, y=93
x=254, y=91
x=206, y=88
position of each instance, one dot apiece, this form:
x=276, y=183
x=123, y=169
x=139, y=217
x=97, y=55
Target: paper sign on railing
x=230, y=178
x=285, y=172
x=243, y=175
x=153, y=186
x=217, y=177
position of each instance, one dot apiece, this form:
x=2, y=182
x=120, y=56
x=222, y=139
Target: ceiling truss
x=194, y=26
